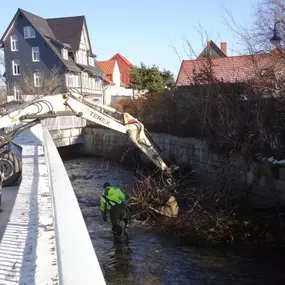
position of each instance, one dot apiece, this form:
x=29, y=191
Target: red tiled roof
x=231, y=69
x=123, y=58
x=124, y=66
x=107, y=66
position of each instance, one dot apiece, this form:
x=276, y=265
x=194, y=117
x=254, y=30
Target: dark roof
x=42, y=26
x=39, y=23
x=95, y=70
x=119, y=56
x=69, y=64
x=67, y=30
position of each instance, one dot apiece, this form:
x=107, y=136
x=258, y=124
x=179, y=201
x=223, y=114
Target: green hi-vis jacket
x=114, y=196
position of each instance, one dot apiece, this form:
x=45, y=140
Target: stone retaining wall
x=67, y=137
x=267, y=182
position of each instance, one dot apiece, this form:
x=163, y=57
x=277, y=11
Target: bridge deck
x=27, y=237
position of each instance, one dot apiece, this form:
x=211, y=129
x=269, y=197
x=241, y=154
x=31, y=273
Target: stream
x=153, y=258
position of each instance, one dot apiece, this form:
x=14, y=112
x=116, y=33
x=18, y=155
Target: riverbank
x=208, y=214
x=154, y=257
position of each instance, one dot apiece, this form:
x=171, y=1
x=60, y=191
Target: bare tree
x=47, y=83
x=256, y=38
x=2, y=69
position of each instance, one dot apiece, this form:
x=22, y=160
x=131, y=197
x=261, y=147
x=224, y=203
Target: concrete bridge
x=43, y=236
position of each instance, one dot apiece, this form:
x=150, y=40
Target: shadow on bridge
x=19, y=219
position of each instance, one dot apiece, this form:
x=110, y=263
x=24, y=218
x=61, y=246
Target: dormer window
x=64, y=53
x=29, y=32
x=81, y=57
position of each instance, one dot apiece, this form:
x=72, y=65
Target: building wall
x=48, y=59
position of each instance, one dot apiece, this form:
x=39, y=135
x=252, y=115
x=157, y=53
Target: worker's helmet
x=106, y=184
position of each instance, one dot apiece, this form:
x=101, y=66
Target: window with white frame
x=81, y=57
x=29, y=32
x=85, y=80
x=36, y=54
x=17, y=93
x=16, y=67
x=14, y=43
x=98, y=83
x=92, y=83
x=72, y=80
x=89, y=83
x=64, y=53
x=38, y=79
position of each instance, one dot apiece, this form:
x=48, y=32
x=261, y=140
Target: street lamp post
x=276, y=39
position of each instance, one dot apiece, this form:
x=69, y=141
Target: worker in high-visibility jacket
x=115, y=202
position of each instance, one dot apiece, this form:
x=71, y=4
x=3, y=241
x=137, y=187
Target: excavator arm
x=56, y=105
x=52, y=106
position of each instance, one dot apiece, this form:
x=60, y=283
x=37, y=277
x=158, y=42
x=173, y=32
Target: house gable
x=48, y=62
x=84, y=40
x=55, y=49
x=44, y=31
x=212, y=51
x=125, y=66
x=116, y=75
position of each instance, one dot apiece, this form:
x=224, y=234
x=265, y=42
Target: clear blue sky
x=146, y=30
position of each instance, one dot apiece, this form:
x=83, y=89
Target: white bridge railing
x=76, y=258
x=64, y=122
x=59, y=123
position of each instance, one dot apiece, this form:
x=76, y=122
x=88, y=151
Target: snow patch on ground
x=271, y=160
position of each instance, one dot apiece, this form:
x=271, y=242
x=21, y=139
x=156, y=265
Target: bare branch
x=49, y=83
x=2, y=69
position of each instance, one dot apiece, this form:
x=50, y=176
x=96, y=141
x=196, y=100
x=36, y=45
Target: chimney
x=224, y=47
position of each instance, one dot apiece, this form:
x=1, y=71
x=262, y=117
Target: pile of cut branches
x=211, y=214
x=148, y=194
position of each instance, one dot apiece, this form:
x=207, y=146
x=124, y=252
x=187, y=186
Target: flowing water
x=151, y=257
